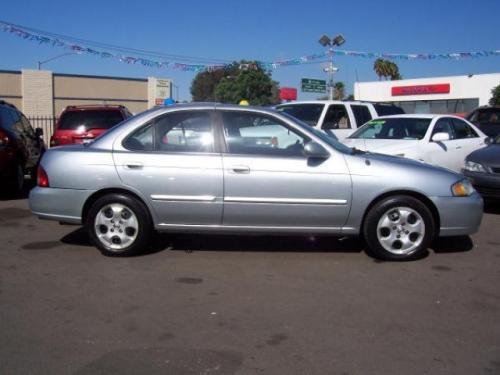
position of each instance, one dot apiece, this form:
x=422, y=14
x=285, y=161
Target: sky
x=258, y=30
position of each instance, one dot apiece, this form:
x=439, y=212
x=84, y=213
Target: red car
x=78, y=124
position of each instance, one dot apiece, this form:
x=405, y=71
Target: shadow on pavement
x=458, y=244
x=206, y=242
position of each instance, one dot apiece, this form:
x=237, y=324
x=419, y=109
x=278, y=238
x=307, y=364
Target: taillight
x=4, y=139
x=42, y=178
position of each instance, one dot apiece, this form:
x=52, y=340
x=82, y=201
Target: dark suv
x=487, y=119
x=21, y=147
x=78, y=124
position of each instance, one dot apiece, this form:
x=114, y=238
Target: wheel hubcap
x=116, y=226
x=401, y=230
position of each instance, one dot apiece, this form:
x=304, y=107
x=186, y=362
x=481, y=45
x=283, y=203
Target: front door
x=269, y=183
x=172, y=163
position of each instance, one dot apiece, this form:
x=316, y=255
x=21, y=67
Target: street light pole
x=53, y=58
x=331, y=69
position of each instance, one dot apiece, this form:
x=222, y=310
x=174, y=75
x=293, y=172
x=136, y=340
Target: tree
x=251, y=83
x=495, y=96
x=386, y=69
x=203, y=85
x=338, y=91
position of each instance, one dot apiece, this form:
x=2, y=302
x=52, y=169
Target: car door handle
x=133, y=165
x=458, y=147
x=240, y=169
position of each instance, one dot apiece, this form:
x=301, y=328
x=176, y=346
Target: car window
x=27, y=127
x=443, y=125
x=361, y=114
x=308, y=113
x=184, y=131
x=141, y=139
x=89, y=119
x=407, y=128
x=17, y=124
x=336, y=118
x=486, y=116
x=259, y=134
x=5, y=118
x=462, y=129
x=387, y=109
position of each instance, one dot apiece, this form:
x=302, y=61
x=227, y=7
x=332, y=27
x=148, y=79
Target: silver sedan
x=232, y=169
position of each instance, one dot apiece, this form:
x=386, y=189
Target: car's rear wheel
x=119, y=225
x=399, y=228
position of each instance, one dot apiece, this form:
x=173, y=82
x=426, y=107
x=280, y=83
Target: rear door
x=268, y=182
x=172, y=162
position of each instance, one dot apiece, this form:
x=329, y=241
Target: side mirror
x=315, y=150
x=488, y=140
x=440, y=137
x=39, y=132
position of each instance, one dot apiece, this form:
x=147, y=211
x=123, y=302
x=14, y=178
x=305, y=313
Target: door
x=269, y=183
x=172, y=162
x=467, y=138
x=447, y=154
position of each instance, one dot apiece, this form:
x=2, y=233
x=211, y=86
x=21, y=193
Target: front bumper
x=487, y=184
x=459, y=215
x=64, y=205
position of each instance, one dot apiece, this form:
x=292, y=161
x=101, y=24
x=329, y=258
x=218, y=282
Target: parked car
x=21, y=147
x=335, y=117
x=487, y=119
x=232, y=169
x=442, y=140
x=482, y=167
x=83, y=123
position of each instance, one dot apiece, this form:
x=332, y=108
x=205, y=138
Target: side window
x=28, y=129
x=258, y=134
x=443, y=125
x=184, y=131
x=140, y=140
x=336, y=118
x=361, y=114
x=17, y=125
x=5, y=118
x=463, y=130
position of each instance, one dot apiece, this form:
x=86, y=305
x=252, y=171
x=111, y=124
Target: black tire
x=142, y=236
x=388, y=242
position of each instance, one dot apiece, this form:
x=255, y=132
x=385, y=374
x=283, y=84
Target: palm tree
x=386, y=69
x=379, y=66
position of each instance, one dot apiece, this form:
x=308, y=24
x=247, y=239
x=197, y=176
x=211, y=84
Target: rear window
x=387, y=109
x=308, y=113
x=86, y=120
x=486, y=116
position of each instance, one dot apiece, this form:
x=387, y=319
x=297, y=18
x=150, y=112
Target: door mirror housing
x=39, y=132
x=315, y=150
x=488, y=140
x=440, y=137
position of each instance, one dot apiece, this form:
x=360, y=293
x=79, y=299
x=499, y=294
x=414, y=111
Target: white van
x=338, y=117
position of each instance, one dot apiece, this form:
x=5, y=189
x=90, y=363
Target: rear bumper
x=459, y=215
x=487, y=184
x=64, y=205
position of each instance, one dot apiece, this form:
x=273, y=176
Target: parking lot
x=203, y=304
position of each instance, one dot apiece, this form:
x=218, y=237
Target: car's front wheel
x=399, y=228
x=119, y=225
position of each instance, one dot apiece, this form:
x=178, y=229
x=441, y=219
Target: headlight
x=474, y=167
x=462, y=188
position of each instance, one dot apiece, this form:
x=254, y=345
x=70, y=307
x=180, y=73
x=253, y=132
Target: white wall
x=461, y=87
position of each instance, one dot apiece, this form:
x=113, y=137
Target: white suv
x=338, y=117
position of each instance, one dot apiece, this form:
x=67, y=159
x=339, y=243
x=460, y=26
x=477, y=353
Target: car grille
x=488, y=191
x=495, y=169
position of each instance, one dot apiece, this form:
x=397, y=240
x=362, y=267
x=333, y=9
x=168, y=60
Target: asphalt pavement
x=201, y=304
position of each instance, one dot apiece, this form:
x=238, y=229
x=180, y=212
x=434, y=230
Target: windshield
x=387, y=109
x=486, y=116
x=308, y=113
x=86, y=120
x=393, y=128
x=321, y=135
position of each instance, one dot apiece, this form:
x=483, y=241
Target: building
x=43, y=93
x=453, y=94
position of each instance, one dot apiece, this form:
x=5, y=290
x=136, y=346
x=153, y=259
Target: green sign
x=313, y=85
